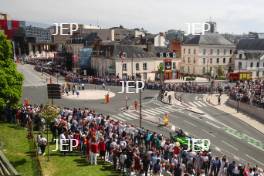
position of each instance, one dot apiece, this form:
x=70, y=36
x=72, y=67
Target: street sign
x=54, y=91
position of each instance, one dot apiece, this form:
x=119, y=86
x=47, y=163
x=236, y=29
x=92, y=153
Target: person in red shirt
x=94, y=151
x=87, y=147
x=102, y=148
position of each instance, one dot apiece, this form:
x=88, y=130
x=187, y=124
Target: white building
x=250, y=57
x=139, y=63
x=160, y=40
x=206, y=54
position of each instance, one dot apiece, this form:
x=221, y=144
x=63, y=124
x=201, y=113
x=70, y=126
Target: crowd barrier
x=253, y=111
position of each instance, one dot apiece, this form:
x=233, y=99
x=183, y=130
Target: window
x=239, y=65
x=224, y=60
x=204, y=51
x=203, y=70
x=184, y=50
x=194, y=60
x=262, y=73
x=211, y=60
x=211, y=51
x=189, y=51
x=257, y=73
x=224, y=51
x=189, y=60
x=230, y=60
x=231, y=51
x=218, y=51
x=240, y=56
x=203, y=60
x=174, y=65
x=194, y=51
x=145, y=66
x=217, y=60
x=251, y=64
x=188, y=69
x=124, y=67
x=137, y=66
x=257, y=64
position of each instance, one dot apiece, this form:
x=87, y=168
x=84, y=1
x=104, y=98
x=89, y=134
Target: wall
x=252, y=111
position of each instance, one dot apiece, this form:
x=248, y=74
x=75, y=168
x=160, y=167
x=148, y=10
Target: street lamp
x=238, y=101
x=140, y=109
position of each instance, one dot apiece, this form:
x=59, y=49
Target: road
x=228, y=135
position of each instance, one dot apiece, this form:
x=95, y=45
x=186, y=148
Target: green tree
x=161, y=71
x=220, y=71
x=49, y=112
x=10, y=79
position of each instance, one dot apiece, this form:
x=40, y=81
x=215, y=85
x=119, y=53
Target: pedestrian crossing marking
x=160, y=110
x=196, y=103
x=150, y=112
x=202, y=103
x=118, y=118
x=193, y=105
x=129, y=115
x=167, y=109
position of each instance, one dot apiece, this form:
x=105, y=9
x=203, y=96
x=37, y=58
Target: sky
x=231, y=16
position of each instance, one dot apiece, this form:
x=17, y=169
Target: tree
x=11, y=80
x=220, y=71
x=49, y=113
x=161, y=71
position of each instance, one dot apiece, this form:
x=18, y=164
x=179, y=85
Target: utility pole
x=132, y=67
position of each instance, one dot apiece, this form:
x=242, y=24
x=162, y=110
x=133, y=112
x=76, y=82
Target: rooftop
x=251, y=44
x=208, y=39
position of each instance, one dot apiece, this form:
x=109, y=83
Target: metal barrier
x=6, y=168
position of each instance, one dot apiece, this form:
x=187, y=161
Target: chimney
x=150, y=47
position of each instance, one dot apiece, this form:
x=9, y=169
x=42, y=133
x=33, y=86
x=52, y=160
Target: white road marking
x=194, y=115
x=123, y=116
x=257, y=161
x=129, y=115
x=118, y=118
x=214, y=125
x=190, y=123
x=161, y=110
x=218, y=149
x=208, y=133
x=149, y=112
x=202, y=103
x=154, y=111
x=197, y=104
x=166, y=109
x=193, y=105
x=230, y=145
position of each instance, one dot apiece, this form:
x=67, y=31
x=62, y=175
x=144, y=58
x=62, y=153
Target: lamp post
x=140, y=109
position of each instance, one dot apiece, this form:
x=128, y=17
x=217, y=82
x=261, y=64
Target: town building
x=208, y=54
x=249, y=57
x=135, y=62
x=160, y=40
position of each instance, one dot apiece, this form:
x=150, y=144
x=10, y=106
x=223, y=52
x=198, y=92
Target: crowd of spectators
x=251, y=92
x=132, y=150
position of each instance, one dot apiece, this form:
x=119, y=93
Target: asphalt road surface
x=228, y=135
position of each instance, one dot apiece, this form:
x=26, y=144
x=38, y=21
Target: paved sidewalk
x=213, y=100
x=88, y=94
